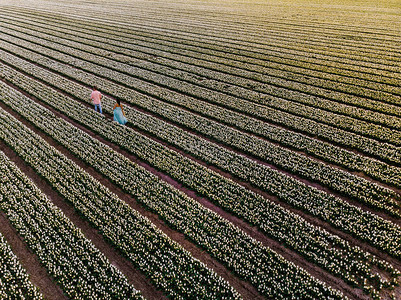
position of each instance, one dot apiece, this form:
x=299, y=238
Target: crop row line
x=331, y=153
x=172, y=42
x=14, y=280
x=165, y=262
x=230, y=19
x=257, y=42
x=253, y=208
x=237, y=15
x=148, y=81
x=80, y=269
x=247, y=52
x=280, y=35
x=337, y=179
x=275, y=67
x=146, y=23
x=269, y=272
x=280, y=186
x=379, y=116
x=387, y=152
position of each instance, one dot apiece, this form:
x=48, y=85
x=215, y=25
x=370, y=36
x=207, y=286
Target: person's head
x=118, y=101
x=95, y=88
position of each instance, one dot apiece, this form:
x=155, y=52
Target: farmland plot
x=261, y=158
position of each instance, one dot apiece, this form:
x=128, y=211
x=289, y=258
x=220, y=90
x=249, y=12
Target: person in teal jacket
x=119, y=115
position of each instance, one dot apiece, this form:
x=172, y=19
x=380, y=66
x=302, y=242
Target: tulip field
x=261, y=158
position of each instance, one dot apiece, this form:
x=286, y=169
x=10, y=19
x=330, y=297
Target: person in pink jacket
x=96, y=96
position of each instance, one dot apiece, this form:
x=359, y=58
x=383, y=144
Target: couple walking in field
x=118, y=111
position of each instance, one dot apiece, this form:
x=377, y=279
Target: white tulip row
x=384, y=151
x=148, y=247
x=194, y=28
x=341, y=181
x=106, y=68
x=296, y=237
x=170, y=42
x=271, y=218
x=14, y=280
x=326, y=151
x=218, y=52
x=244, y=35
x=272, y=64
x=344, y=182
x=270, y=273
x=72, y=260
x=308, y=96
x=238, y=46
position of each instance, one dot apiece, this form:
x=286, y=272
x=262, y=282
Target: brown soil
x=134, y=276
x=51, y=291
x=139, y=281
x=37, y=273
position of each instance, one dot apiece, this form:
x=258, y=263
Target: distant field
x=261, y=159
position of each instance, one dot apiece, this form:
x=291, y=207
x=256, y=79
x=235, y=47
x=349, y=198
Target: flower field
x=261, y=158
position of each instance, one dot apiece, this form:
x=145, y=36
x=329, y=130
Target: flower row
x=387, y=152
x=326, y=151
x=355, y=66
x=14, y=280
x=124, y=74
x=71, y=259
x=273, y=67
x=344, y=182
x=272, y=219
x=245, y=256
x=169, y=266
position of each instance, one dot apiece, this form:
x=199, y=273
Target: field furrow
x=258, y=93
x=76, y=265
x=261, y=158
x=116, y=221
x=238, y=36
x=364, y=191
x=203, y=226
x=14, y=280
x=267, y=93
x=366, y=145
x=272, y=219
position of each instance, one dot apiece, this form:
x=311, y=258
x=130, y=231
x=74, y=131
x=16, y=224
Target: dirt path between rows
x=138, y=279
x=135, y=277
x=247, y=290
x=37, y=273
